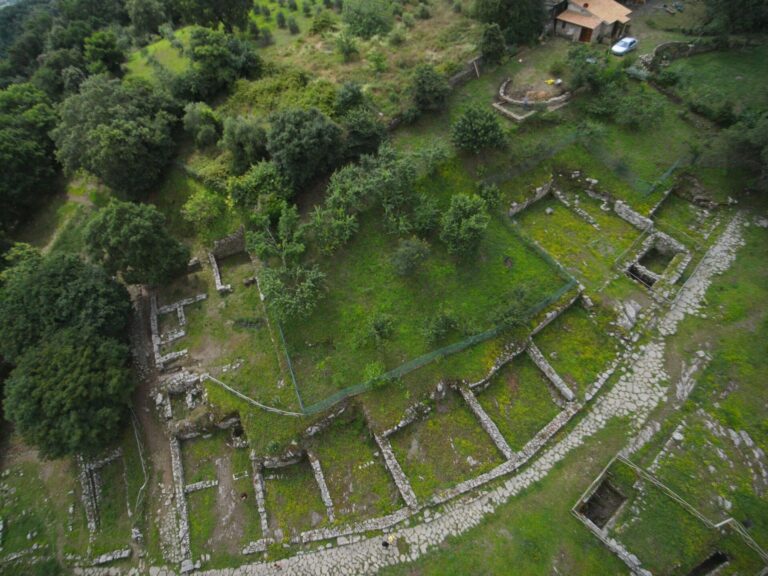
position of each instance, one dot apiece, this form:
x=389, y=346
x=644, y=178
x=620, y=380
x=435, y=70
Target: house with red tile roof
x=591, y=20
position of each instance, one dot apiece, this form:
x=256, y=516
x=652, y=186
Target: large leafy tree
x=70, y=394
x=246, y=141
x=738, y=15
x=146, y=15
x=121, y=132
x=103, y=54
x=230, y=13
x=131, y=239
x=304, y=144
x=41, y=295
x=218, y=59
x=26, y=151
x=522, y=21
x=464, y=224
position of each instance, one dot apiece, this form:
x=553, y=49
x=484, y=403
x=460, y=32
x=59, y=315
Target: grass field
x=333, y=348
x=293, y=500
x=446, y=448
x=736, y=75
x=162, y=54
x=354, y=471
x=518, y=401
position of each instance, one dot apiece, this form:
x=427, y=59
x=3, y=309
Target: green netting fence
x=425, y=359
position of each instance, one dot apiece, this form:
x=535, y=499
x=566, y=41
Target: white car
x=624, y=46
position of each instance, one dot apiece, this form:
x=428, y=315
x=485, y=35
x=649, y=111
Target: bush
x=438, y=327
x=293, y=26
x=347, y=47
x=490, y=193
x=364, y=132
x=409, y=254
x=408, y=20
x=304, y=144
x=557, y=68
x=464, y=224
x=492, y=45
x=429, y=89
x=262, y=185
x=396, y=37
x=423, y=13
x=203, y=209
x=367, y=18
x=280, y=20
x=382, y=327
x=245, y=140
x=477, y=129
x=349, y=96
x=201, y=123
x=322, y=22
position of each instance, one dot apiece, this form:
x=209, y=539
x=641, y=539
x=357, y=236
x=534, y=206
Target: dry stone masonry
x=317, y=470
x=538, y=358
x=486, y=422
x=401, y=480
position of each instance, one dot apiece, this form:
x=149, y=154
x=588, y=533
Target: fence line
x=249, y=399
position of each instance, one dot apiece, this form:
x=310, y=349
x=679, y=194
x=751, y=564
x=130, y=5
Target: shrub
x=322, y=22
x=438, y=327
x=490, y=193
x=349, y=96
x=476, y=130
x=396, y=37
x=245, y=140
x=262, y=183
x=558, y=68
x=382, y=327
x=280, y=20
x=409, y=254
x=429, y=89
x=364, y=132
x=203, y=209
x=377, y=61
x=492, y=45
x=367, y=18
x=347, y=47
x=293, y=26
x=408, y=20
x=423, y=13
x=201, y=123
x=457, y=8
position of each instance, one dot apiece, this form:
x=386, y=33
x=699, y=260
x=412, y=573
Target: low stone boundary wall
x=541, y=362
x=471, y=70
x=229, y=245
x=181, y=506
x=626, y=213
x=540, y=192
x=317, y=470
x=202, y=485
x=220, y=287
x=487, y=423
x=401, y=480
x=261, y=502
x=112, y=557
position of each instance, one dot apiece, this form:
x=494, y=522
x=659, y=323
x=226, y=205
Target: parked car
x=624, y=46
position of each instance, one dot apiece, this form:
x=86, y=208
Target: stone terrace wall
x=230, y=245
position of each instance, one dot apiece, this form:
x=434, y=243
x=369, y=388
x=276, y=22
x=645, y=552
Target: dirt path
x=228, y=532
x=162, y=513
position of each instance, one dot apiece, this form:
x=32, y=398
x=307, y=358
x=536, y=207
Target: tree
x=26, y=150
x=737, y=16
x=522, y=21
x=103, y=54
x=304, y=144
x=245, y=140
x=477, y=129
x=131, y=239
x=230, y=13
x=261, y=187
x=219, y=59
x=202, y=123
x=332, y=228
x=120, y=132
x=409, y=254
x=280, y=20
x=146, y=15
x=367, y=18
x=203, y=208
x=428, y=88
x=284, y=242
x=464, y=224
x=292, y=293
x=41, y=295
x=70, y=394
x=364, y=132
x=492, y=45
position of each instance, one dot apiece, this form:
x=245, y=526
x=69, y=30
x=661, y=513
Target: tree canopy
x=70, y=394
x=367, y=18
x=304, y=144
x=477, y=129
x=230, y=13
x=26, y=150
x=131, y=239
x=41, y=295
x=119, y=131
x=429, y=88
x=521, y=21
x=464, y=224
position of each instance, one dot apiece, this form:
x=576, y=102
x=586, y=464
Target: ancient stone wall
x=538, y=194
x=230, y=245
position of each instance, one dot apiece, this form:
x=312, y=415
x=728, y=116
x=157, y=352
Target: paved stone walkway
x=639, y=389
